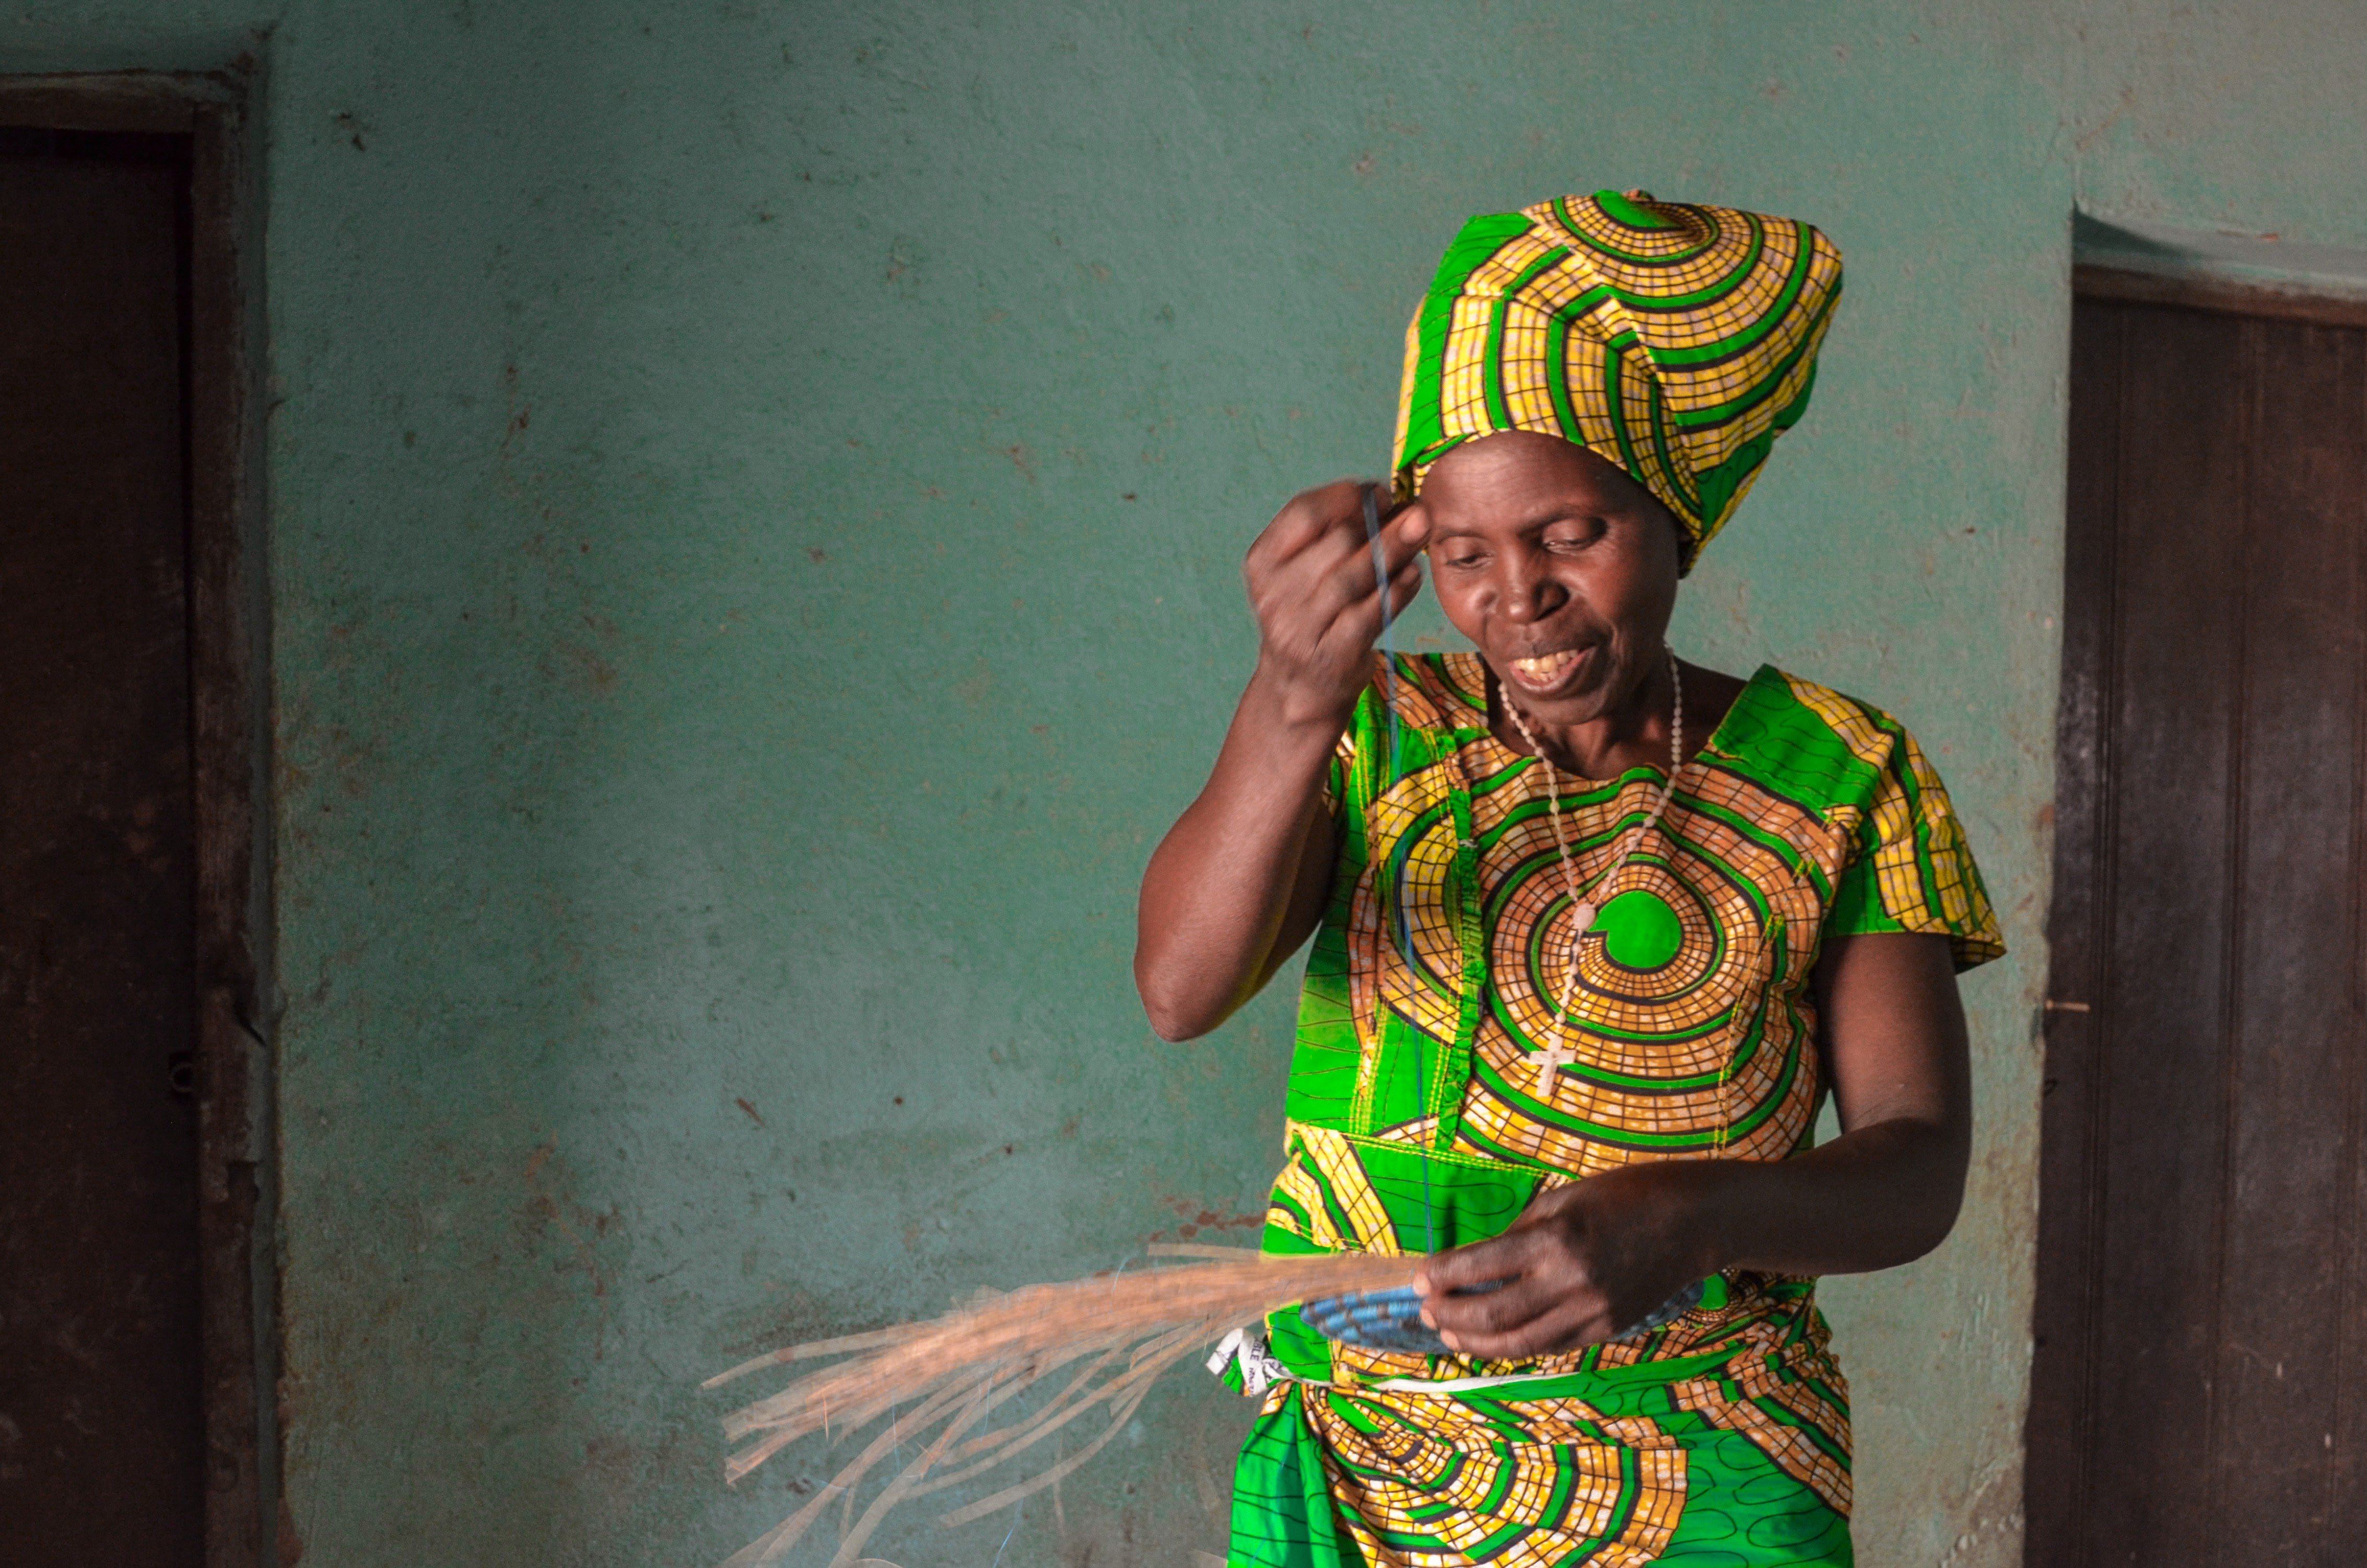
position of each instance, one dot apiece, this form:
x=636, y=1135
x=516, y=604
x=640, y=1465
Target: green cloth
x=1422, y=1116
x=1673, y=339
x=1738, y=1509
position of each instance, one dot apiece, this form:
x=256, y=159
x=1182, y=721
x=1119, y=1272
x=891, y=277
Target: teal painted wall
x=756, y=496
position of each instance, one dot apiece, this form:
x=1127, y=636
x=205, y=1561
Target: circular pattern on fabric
x=1449, y=1487
x=1669, y=1047
x=1674, y=948
x=1670, y=1051
x=1675, y=340
x=1639, y=930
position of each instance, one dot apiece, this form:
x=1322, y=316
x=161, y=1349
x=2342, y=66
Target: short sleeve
x=1910, y=869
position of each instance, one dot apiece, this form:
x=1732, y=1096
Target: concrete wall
x=757, y=491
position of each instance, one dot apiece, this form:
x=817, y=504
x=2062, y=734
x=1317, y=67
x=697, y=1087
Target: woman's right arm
x=1241, y=880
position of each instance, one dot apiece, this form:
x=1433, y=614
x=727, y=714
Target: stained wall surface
x=756, y=493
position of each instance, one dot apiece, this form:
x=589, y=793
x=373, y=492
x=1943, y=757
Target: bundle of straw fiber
x=1113, y=1335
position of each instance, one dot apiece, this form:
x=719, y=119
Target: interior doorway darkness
x=2200, y=1391
x=133, y=1296
x=104, y=1440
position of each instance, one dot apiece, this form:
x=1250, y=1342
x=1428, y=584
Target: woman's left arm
x=1588, y=1260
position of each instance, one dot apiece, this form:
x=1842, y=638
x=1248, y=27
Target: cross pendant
x=1553, y=1060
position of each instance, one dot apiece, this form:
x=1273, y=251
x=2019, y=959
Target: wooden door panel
x=2196, y=1383
x=2170, y=790
x=2293, y=1024
x=2346, y=1484
x=101, y=1455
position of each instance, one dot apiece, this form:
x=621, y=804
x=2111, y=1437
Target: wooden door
x=2199, y=1388
x=102, y=1453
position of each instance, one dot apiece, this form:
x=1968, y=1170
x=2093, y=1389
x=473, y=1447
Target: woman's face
x=1557, y=565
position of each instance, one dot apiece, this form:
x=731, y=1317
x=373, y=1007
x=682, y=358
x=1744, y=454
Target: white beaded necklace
x=1583, y=911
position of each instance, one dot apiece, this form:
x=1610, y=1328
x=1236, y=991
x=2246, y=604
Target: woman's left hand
x=1582, y=1265
x=1588, y=1262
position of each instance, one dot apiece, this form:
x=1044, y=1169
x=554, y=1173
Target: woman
x=1596, y=932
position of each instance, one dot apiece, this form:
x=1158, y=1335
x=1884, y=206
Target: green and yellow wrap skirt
x=1733, y=1456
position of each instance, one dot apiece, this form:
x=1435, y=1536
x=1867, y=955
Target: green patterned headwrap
x=1675, y=340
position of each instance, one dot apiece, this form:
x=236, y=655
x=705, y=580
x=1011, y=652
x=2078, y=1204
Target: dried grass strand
x=999, y=1446
x=844, y=1344
x=1199, y=1249
x=778, y=1541
x=1126, y=1329
x=970, y=1413
x=1139, y=1381
x=1011, y=1495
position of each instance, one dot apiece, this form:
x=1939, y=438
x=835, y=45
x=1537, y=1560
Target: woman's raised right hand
x=1316, y=597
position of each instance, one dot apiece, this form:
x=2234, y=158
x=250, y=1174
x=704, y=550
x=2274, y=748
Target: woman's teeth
x=1544, y=667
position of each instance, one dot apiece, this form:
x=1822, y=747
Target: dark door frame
x=2090, y=281
x=230, y=743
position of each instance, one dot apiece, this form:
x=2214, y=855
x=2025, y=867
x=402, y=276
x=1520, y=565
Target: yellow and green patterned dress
x=1418, y=1120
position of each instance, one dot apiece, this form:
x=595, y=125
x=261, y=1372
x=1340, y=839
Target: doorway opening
x=2199, y=1391
x=136, y=1424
